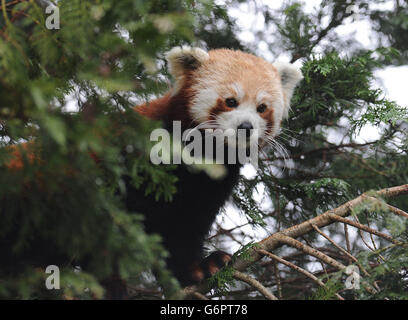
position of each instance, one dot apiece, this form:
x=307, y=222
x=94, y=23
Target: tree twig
x=295, y=267
x=254, y=283
x=275, y=240
x=365, y=228
x=341, y=249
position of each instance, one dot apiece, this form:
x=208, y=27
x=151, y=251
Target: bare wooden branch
x=397, y=211
x=365, y=228
x=346, y=235
x=275, y=240
x=313, y=252
x=278, y=279
x=341, y=249
x=254, y=283
x=297, y=268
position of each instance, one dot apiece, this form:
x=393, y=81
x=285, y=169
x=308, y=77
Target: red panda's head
x=233, y=89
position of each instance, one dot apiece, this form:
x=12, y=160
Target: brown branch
x=254, y=283
x=310, y=251
x=397, y=211
x=278, y=279
x=365, y=228
x=340, y=248
x=275, y=240
x=346, y=235
x=295, y=267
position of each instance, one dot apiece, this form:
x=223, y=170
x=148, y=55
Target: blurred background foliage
x=70, y=91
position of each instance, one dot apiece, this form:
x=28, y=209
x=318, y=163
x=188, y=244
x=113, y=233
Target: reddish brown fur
x=220, y=107
x=196, y=272
x=170, y=108
x=268, y=117
x=17, y=161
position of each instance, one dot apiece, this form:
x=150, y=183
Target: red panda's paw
x=210, y=265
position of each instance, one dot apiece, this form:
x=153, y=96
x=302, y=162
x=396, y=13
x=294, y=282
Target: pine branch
x=341, y=249
x=254, y=283
x=365, y=228
x=295, y=267
x=288, y=235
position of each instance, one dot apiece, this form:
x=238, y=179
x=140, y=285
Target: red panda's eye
x=261, y=108
x=231, y=102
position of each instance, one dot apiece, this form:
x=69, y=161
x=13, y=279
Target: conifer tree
x=71, y=72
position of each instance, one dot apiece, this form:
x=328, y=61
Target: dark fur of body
x=185, y=222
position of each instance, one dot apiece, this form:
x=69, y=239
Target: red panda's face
x=234, y=90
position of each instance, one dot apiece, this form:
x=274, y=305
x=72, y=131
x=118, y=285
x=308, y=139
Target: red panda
x=231, y=90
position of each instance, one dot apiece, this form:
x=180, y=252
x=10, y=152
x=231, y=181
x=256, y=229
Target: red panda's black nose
x=247, y=126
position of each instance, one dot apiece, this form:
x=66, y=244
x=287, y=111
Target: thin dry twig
x=346, y=235
x=365, y=228
x=397, y=211
x=278, y=279
x=275, y=240
x=341, y=249
x=313, y=252
x=254, y=283
x=297, y=268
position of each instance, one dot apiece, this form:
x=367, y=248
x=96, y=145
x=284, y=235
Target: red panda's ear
x=290, y=76
x=185, y=58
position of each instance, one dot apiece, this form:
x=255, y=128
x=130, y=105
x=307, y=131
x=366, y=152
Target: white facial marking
x=238, y=90
x=263, y=97
x=278, y=113
x=245, y=112
x=206, y=98
x=202, y=103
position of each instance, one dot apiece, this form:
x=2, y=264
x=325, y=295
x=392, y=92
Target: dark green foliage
x=103, y=57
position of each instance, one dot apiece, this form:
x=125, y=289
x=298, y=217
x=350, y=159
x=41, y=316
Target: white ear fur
x=185, y=58
x=290, y=76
